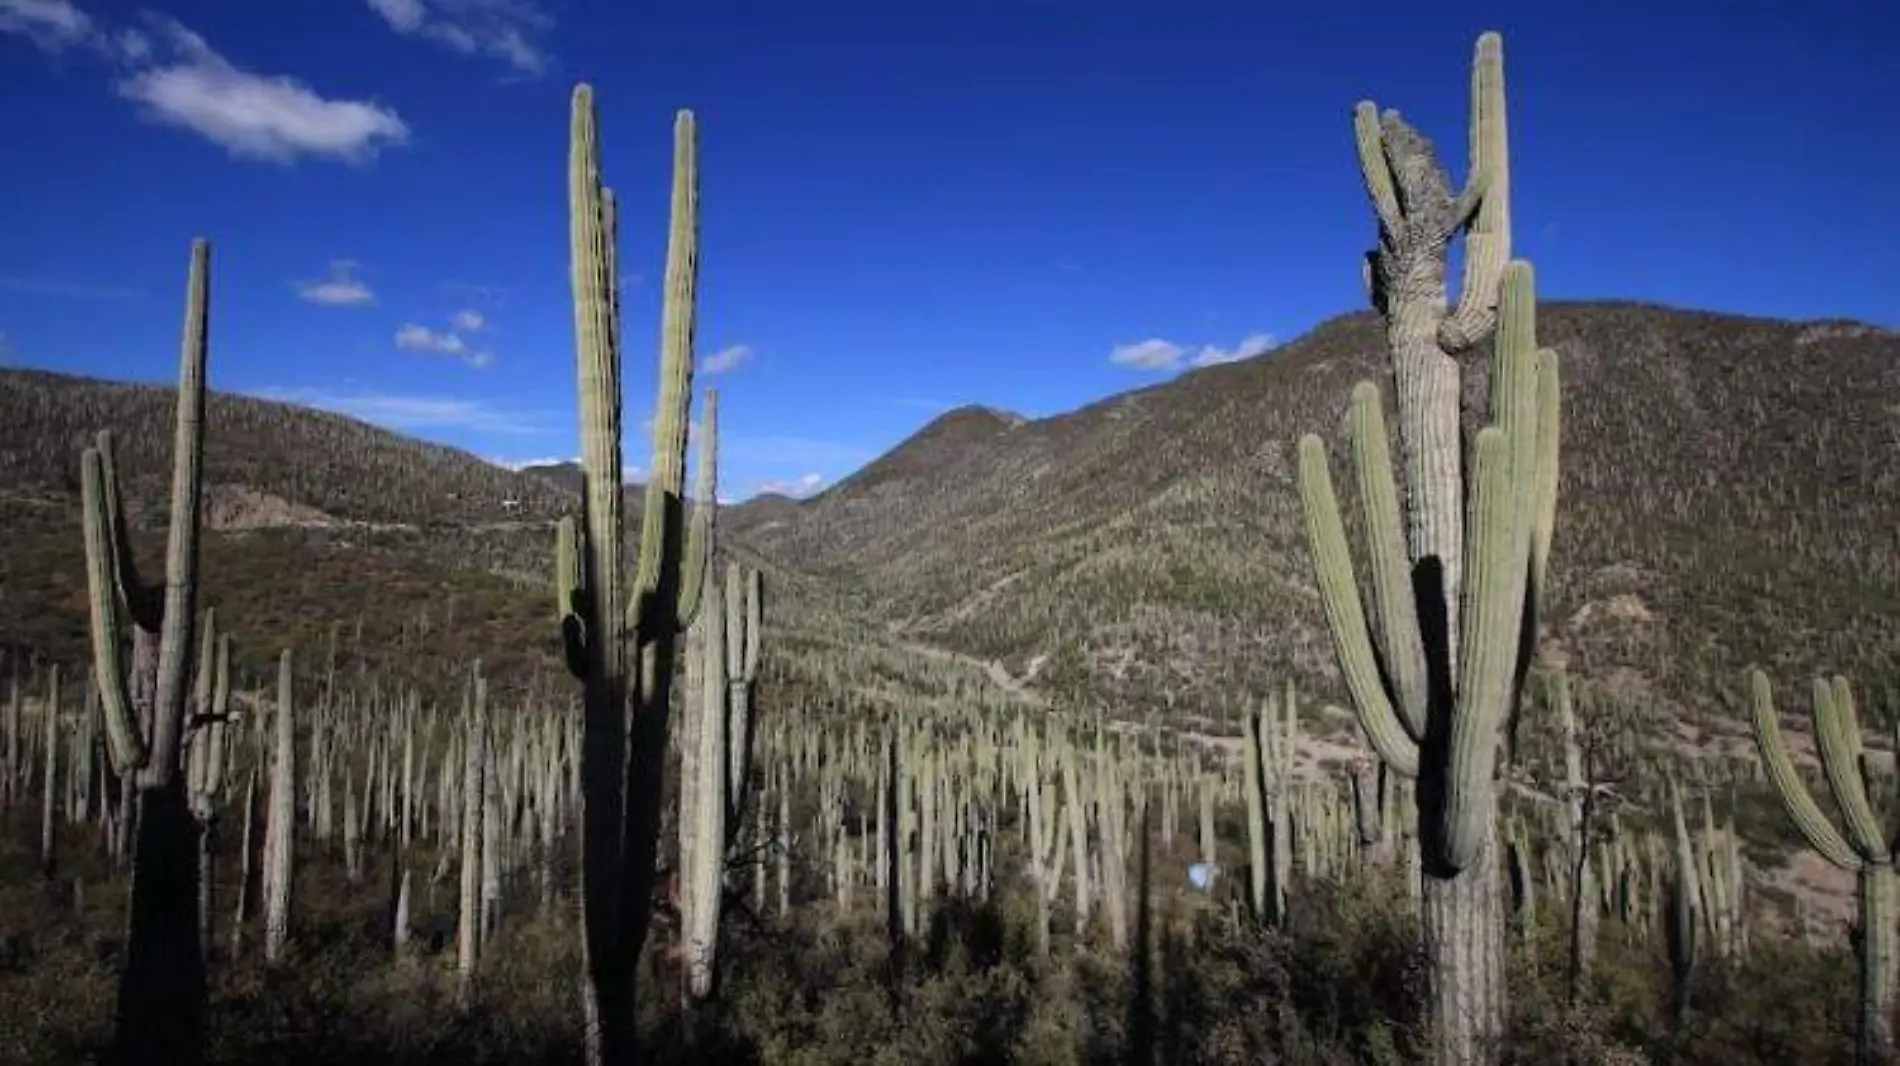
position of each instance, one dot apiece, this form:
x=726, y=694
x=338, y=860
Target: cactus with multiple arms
x=1865, y=851
x=1457, y=570
x=161, y=990
x=620, y=641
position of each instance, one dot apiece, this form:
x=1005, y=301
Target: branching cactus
x=1865, y=851
x=620, y=639
x=1457, y=560
x=161, y=990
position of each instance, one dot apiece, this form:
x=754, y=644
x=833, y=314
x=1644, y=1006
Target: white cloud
x=1158, y=354
x=1250, y=345
x=499, y=29
x=414, y=412
x=50, y=24
x=341, y=289
x=419, y=338
x=468, y=320
x=423, y=339
x=1151, y=354
x=256, y=116
x=543, y=460
x=797, y=488
x=727, y=358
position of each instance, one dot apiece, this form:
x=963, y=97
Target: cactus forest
x=741, y=830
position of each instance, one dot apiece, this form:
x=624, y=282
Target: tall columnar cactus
x=1457, y=563
x=701, y=877
x=204, y=763
x=619, y=639
x=1267, y=763
x=1866, y=851
x=161, y=990
x=745, y=623
x=280, y=818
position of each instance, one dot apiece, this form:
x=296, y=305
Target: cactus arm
x=1819, y=833
x=1375, y=167
x=181, y=554
x=569, y=598
x=1544, y=501
x=754, y=623
x=1345, y=614
x=659, y=566
x=697, y=561
x=1488, y=235
x=591, y=237
x=1464, y=210
x=142, y=601
x=1394, y=604
x=1837, y=735
x=124, y=741
x=1490, y=624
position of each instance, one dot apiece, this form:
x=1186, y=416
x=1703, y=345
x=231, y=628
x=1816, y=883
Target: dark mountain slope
x=1728, y=495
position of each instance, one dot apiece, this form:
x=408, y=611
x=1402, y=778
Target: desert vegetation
x=1456, y=766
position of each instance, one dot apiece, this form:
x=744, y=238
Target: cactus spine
x=1865, y=851
x=1457, y=571
x=161, y=990
x=620, y=641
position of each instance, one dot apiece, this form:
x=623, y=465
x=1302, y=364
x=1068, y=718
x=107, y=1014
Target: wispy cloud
x=1250, y=345
x=37, y=287
x=51, y=24
x=1151, y=354
x=178, y=80
x=409, y=412
x=419, y=338
x=468, y=320
x=255, y=116
x=6, y=350
x=1157, y=353
x=539, y=460
x=498, y=29
x=728, y=358
x=342, y=288
x=797, y=488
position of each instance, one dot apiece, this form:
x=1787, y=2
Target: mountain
x=1727, y=497
x=326, y=467
x=567, y=476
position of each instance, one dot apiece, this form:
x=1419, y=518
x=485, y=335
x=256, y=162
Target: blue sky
x=907, y=204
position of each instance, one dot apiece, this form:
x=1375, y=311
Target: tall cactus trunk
x=280, y=818
x=1463, y=919
x=701, y=881
x=1879, y=962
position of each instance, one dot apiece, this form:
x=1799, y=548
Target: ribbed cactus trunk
x=280, y=817
x=161, y=989
x=472, y=820
x=1457, y=571
x=702, y=880
x=1879, y=963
